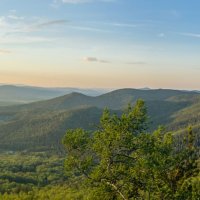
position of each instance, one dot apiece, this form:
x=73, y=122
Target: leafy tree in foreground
x=121, y=161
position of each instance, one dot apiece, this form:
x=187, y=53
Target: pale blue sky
x=100, y=43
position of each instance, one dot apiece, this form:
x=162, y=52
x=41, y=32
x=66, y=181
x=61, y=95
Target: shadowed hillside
x=43, y=124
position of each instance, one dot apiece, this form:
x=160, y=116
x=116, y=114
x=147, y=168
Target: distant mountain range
x=41, y=125
x=22, y=94
x=196, y=91
x=16, y=94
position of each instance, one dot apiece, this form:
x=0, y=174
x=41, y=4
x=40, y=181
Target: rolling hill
x=41, y=125
x=12, y=94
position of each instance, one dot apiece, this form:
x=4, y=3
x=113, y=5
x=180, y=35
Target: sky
x=100, y=43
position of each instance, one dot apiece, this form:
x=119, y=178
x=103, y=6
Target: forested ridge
x=121, y=154
x=46, y=121
x=118, y=161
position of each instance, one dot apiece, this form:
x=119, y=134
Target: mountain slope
x=45, y=130
x=43, y=124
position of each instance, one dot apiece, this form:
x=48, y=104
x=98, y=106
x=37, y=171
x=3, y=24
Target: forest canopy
x=121, y=160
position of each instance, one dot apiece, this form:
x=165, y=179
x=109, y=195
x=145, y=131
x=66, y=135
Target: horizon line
x=98, y=88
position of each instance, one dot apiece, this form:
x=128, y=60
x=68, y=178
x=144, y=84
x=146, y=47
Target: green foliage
x=122, y=161
x=46, y=193
x=41, y=125
x=119, y=159
x=21, y=172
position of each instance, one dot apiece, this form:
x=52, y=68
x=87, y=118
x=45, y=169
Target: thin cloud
x=3, y=22
x=15, y=17
x=76, y=1
x=85, y=28
x=161, y=35
x=133, y=25
x=51, y=23
x=25, y=40
x=94, y=59
x=124, y=25
x=36, y=27
x=104, y=61
x=57, y=3
x=84, y=1
x=18, y=29
x=136, y=63
x=194, y=35
x=26, y=28
x=90, y=59
x=24, y=25
x=3, y=51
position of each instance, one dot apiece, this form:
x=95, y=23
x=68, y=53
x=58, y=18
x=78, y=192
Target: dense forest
x=121, y=158
x=41, y=125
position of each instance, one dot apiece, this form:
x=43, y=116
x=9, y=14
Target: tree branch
x=115, y=188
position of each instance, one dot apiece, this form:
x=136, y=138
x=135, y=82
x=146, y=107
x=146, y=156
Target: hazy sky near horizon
x=100, y=43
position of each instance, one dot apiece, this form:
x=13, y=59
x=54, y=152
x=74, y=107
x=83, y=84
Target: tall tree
x=122, y=161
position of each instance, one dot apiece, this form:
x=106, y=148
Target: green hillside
x=41, y=125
